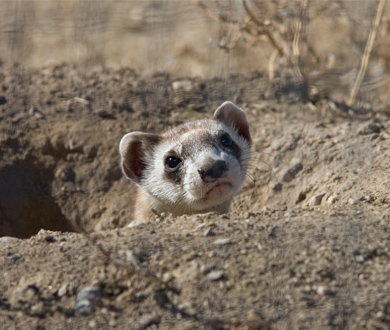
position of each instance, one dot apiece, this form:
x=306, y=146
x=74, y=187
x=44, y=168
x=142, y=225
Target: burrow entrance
x=26, y=203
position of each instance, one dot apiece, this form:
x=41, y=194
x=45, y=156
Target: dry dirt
x=305, y=247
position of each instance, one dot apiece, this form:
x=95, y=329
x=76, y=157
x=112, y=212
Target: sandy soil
x=305, y=247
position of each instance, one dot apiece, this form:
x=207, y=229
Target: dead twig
x=263, y=28
x=367, y=52
x=271, y=65
x=297, y=36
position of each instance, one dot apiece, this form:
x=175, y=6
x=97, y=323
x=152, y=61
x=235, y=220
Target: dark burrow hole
x=26, y=203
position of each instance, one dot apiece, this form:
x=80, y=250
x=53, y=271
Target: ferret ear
x=232, y=116
x=134, y=147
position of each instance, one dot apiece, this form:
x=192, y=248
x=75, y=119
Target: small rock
x=255, y=321
x=112, y=323
x=45, y=232
x=370, y=128
x=222, y=241
x=186, y=85
x=323, y=290
x=379, y=315
x=135, y=224
x=50, y=239
x=215, y=275
x=92, y=324
x=277, y=187
x=251, y=214
x=38, y=115
x=149, y=320
x=65, y=173
x=290, y=174
x=62, y=290
x=360, y=259
x=87, y=300
x=104, y=114
x=167, y=277
x=301, y=197
x=8, y=239
x=133, y=258
x=208, y=232
x=351, y=201
x=316, y=199
x=38, y=309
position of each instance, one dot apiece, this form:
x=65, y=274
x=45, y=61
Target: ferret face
x=193, y=167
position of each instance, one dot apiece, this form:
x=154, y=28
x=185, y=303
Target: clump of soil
x=306, y=244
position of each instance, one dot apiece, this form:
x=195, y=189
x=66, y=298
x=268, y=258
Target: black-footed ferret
x=196, y=167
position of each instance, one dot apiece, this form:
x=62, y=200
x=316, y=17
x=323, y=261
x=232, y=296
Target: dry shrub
x=321, y=43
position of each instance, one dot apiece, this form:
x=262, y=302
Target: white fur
x=194, y=195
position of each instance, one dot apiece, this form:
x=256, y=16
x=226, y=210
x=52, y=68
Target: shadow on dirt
x=26, y=205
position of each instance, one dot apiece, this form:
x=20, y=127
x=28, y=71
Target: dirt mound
x=306, y=244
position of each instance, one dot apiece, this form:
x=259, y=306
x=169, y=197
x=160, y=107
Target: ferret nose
x=213, y=171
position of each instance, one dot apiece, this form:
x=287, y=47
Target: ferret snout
x=213, y=170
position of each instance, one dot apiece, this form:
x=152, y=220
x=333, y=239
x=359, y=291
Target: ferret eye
x=172, y=162
x=226, y=140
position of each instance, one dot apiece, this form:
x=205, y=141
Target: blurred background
x=321, y=42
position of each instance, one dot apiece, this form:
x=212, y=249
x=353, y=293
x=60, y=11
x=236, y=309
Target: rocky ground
x=305, y=247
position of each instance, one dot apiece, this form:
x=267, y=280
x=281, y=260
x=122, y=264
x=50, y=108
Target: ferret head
x=193, y=168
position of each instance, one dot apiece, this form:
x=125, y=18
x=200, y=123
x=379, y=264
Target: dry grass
x=321, y=43
x=286, y=27
x=367, y=52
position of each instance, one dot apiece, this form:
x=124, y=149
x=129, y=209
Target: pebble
x=290, y=174
x=301, y=197
x=215, y=275
x=316, y=199
x=252, y=214
x=186, y=85
x=323, y=290
x=256, y=321
x=167, y=277
x=351, y=201
x=104, y=114
x=64, y=173
x=208, y=232
x=62, y=290
x=112, y=323
x=135, y=224
x=222, y=241
x=133, y=258
x=149, y=320
x=45, y=232
x=92, y=324
x=38, y=309
x=370, y=128
x=87, y=300
x=8, y=239
x=278, y=186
